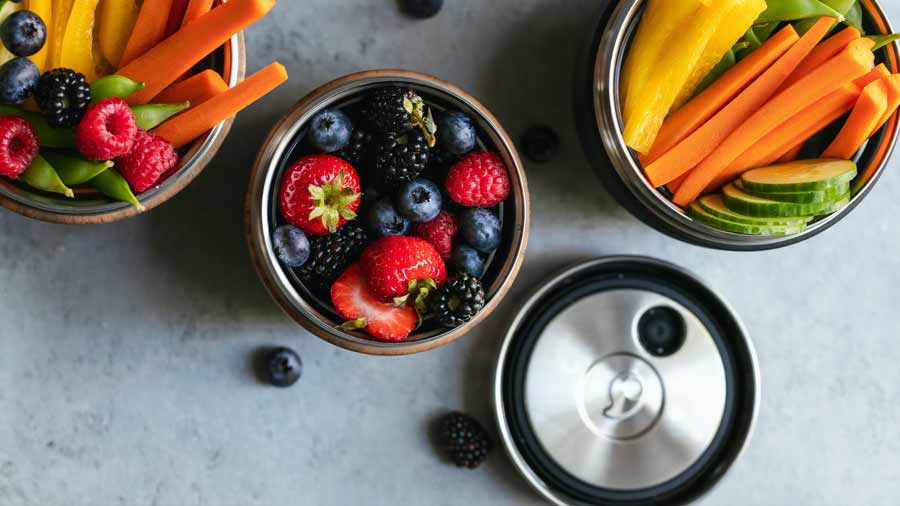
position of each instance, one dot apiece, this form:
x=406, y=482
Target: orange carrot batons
x=699, y=110
x=822, y=53
x=893, y=90
x=165, y=63
x=196, y=121
x=697, y=146
x=176, y=16
x=196, y=89
x=866, y=114
x=195, y=9
x=149, y=29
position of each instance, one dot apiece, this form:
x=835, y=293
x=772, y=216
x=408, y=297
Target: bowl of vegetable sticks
x=740, y=124
x=182, y=64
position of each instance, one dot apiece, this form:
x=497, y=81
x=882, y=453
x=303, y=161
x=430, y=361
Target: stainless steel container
x=625, y=381
x=277, y=152
x=93, y=208
x=600, y=127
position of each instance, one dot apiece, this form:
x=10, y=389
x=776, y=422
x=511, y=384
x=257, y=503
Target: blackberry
x=63, y=95
x=439, y=163
x=398, y=159
x=393, y=110
x=330, y=255
x=466, y=442
x=355, y=152
x=459, y=300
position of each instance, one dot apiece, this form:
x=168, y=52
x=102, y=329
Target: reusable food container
x=279, y=151
x=600, y=126
x=90, y=207
x=625, y=381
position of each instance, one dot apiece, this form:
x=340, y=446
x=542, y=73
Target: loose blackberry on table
x=465, y=441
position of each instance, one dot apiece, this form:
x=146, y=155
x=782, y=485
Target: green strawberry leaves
x=332, y=202
x=421, y=117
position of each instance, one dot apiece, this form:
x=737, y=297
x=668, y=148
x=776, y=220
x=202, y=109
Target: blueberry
x=283, y=367
x=456, y=133
x=330, y=130
x=18, y=79
x=383, y=219
x=466, y=259
x=23, y=33
x=291, y=245
x=419, y=200
x=422, y=8
x=480, y=228
x=540, y=143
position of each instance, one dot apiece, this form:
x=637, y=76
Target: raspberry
x=439, y=232
x=150, y=158
x=478, y=180
x=18, y=145
x=107, y=130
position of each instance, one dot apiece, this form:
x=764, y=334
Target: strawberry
x=478, y=180
x=358, y=306
x=319, y=193
x=398, y=266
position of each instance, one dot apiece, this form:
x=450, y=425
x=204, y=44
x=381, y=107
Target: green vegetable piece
x=700, y=214
x=752, y=43
x=114, y=186
x=855, y=17
x=765, y=30
x=883, y=40
x=792, y=10
x=40, y=175
x=73, y=169
x=113, y=86
x=842, y=6
x=151, y=116
x=723, y=66
x=50, y=137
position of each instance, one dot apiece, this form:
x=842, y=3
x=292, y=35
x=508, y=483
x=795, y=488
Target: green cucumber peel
x=40, y=175
x=113, y=86
x=715, y=206
x=793, y=10
x=72, y=168
x=746, y=204
x=831, y=194
x=113, y=185
x=699, y=214
x=50, y=137
x=150, y=116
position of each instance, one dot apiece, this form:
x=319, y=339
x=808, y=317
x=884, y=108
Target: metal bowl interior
x=654, y=203
x=92, y=208
x=284, y=145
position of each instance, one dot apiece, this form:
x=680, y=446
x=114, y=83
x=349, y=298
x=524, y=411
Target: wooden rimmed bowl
x=90, y=207
x=286, y=143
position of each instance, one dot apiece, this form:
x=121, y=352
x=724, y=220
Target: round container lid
x=625, y=381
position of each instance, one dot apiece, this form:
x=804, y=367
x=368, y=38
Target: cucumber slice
x=744, y=203
x=837, y=205
x=714, y=205
x=800, y=176
x=696, y=212
x=830, y=194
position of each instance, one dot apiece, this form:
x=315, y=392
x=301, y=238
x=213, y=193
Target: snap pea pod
x=113, y=86
x=792, y=10
x=855, y=17
x=72, y=168
x=151, y=116
x=842, y=6
x=113, y=185
x=40, y=175
x=723, y=66
x=49, y=136
x=765, y=30
x=883, y=40
x=750, y=42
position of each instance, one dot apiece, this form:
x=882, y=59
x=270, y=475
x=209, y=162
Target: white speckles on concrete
x=125, y=375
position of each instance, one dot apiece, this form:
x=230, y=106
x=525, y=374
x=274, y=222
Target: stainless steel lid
x=625, y=381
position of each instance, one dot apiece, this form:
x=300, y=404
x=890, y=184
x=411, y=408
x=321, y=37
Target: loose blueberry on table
x=410, y=250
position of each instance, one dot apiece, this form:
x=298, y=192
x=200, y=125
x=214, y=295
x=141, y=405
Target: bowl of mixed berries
x=388, y=212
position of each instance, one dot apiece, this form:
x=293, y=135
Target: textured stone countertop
x=124, y=349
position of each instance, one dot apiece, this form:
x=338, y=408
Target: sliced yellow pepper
x=728, y=33
x=57, y=31
x=78, y=42
x=44, y=9
x=117, y=18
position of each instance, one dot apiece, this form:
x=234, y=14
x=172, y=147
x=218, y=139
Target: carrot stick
x=893, y=91
x=866, y=114
x=822, y=53
x=196, y=89
x=699, y=110
x=195, y=9
x=697, y=146
x=193, y=123
x=176, y=16
x=171, y=58
x=850, y=64
x=149, y=29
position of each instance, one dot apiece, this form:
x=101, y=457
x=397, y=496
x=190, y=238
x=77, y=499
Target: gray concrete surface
x=124, y=349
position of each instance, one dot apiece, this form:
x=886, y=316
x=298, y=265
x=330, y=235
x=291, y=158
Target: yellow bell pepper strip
x=116, y=22
x=6, y=9
x=44, y=9
x=78, y=42
x=660, y=21
x=57, y=31
x=736, y=23
x=682, y=54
